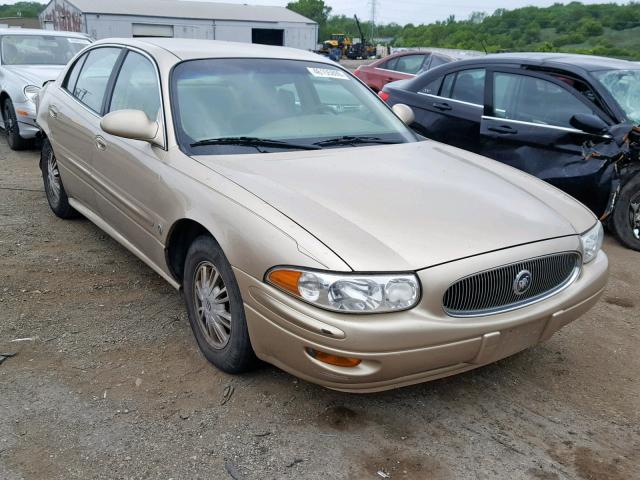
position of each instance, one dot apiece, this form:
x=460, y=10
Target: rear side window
x=433, y=87
x=94, y=76
x=137, y=87
x=469, y=86
x=409, y=64
x=437, y=60
x=534, y=100
x=390, y=64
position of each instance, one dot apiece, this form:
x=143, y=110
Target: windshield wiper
x=352, y=140
x=254, y=142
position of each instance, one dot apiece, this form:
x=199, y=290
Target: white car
x=29, y=59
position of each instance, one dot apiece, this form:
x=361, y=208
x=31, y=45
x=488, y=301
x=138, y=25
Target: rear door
x=449, y=109
x=74, y=119
x=527, y=125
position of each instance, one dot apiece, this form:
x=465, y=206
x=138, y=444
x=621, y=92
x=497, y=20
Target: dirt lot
x=110, y=384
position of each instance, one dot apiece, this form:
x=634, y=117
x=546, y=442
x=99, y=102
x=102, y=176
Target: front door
x=132, y=190
x=527, y=125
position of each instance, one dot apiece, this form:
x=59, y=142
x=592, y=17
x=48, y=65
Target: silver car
x=28, y=59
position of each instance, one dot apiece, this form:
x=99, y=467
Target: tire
x=11, y=129
x=53, y=187
x=220, y=327
x=626, y=215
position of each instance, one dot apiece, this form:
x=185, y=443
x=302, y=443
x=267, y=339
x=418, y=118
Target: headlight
x=592, y=243
x=348, y=292
x=31, y=91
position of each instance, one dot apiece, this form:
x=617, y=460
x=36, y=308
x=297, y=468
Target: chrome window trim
x=437, y=97
x=541, y=125
x=394, y=71
x=516, y=306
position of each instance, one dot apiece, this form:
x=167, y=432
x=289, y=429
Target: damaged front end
x=622, y=151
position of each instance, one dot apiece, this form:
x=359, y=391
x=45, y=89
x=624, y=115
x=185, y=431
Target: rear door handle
x=101, y=144
x=443, y=106
x=53, y=111
x=503, y=130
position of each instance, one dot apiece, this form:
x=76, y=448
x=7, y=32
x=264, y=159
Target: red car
x=399, y=66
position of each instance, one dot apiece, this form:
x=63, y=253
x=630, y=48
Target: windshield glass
x=40, y=49
x=301, y=103
x=624, y=85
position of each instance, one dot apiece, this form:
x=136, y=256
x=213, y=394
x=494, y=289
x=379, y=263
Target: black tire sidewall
x=62, y=209
x=620, y=216
x=15, y=141
x=237, y=356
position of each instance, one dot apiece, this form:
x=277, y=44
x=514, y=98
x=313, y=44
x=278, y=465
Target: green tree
x=316, y=10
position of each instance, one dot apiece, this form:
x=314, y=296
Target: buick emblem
x=522, y=282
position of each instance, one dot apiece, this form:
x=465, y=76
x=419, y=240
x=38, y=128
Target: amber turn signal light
x=334, y=359
x=285, y=279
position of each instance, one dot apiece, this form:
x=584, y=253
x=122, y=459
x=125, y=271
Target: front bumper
x=418, y=345
x=26, y=115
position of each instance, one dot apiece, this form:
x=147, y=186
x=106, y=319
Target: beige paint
x=422, y=207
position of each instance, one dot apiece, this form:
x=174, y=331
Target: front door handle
x=101, y=144
x=53, y=111
x=443, y=106
x=503, y=130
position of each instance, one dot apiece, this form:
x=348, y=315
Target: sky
x=409, y=11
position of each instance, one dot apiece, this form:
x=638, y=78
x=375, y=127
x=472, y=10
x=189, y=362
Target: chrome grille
x=493, y=291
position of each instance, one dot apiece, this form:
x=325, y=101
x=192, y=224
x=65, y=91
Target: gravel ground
x=109, y=382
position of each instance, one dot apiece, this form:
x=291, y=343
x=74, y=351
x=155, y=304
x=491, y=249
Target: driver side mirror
x=589, y=124
x=133, y=124
x=404, y=113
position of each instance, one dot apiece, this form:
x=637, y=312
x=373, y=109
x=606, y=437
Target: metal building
x=185, y=19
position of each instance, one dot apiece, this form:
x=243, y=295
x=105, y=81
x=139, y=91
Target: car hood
x=407, y=206
x=35, y=74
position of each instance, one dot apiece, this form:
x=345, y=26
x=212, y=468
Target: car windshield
x=40, y=49
x=624, y=86
x=231, y=106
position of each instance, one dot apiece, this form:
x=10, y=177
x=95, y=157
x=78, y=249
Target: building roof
x=189, y=9
x=35, y=31
x=190, y=49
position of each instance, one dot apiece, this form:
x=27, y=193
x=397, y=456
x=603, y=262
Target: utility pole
x=372, y=30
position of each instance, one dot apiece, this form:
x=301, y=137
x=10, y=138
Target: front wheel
x=215, y=307
x=11, y=127
x=626, y=215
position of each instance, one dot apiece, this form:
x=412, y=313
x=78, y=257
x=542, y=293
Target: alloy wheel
x=213, y=308
x=53, y=178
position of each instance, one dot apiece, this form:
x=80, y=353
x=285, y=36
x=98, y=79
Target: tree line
x=601, y=29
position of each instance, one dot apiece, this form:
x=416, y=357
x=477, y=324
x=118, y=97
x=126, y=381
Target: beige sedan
x=304, y=221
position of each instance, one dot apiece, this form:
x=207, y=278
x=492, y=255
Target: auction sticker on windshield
x=327, y=73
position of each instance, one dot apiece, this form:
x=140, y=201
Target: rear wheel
x=626, y=215
x=11, y=128
x=215, y=307
x=53, y=187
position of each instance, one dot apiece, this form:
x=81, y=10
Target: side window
x=445, y=91
x=137, y=87
x=432, y=87
x=409, y=64
x=72, y=76
x=469, y=86
x=94, y=76
x=390, y=64
x=437, y=60
x=534, y=100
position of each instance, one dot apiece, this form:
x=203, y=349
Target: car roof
x=36, y=31
x=586, y=62
x=189, y=49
